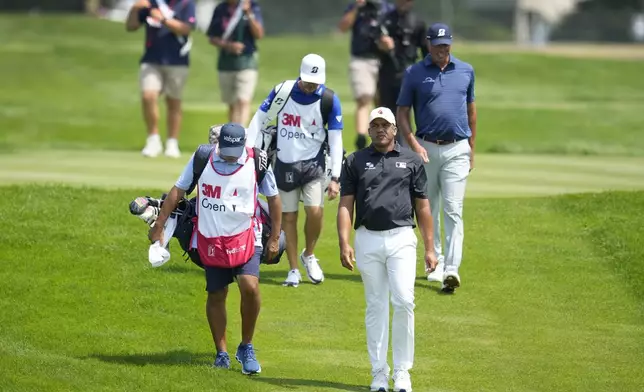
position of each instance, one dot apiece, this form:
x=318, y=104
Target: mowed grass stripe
x=494, y=175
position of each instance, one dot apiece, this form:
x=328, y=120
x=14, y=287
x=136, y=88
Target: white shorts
x=312, y=194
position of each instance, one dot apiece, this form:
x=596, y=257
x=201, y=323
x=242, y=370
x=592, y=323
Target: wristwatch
x=335, y=179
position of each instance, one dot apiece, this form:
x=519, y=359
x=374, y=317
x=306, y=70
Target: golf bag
x=147, y=209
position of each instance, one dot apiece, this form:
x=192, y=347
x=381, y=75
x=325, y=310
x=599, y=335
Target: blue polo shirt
x=334, y=122
x=361, y=46
x=221, y=16
x=162, y=46
x=439, y=98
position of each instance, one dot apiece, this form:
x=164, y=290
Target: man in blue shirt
x=164, y=65
x=362, y=17
x=309, y=121
x=236, y=33
x=440, y=88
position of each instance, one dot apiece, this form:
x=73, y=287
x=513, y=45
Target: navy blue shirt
x=361, y=45
x=162, y=46
x=221, y=17
x=439, y=98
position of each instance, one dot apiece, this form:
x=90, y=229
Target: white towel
x=158, y=253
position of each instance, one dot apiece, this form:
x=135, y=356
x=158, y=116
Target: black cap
x=232, y=140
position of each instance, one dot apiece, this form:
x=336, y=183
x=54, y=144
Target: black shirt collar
x=373, y=150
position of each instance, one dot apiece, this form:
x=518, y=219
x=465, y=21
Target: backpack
x=202, y=155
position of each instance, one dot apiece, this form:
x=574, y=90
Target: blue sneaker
x=222, y=360
x=246, y=356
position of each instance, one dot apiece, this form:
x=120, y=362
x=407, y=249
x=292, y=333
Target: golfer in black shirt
x=387, y=185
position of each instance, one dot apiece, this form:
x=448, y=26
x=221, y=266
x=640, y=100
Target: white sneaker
x=172, y=148
x=313, y=270
x=152, y=147
x=437, y=275
x=293, y=278
x=380, y=381
x=402, y=381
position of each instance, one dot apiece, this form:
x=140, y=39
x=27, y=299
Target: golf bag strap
x=199, y=162
x=282, y=94
x=326, y=104
x=202, y=154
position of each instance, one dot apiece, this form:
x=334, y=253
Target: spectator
x=362, y=17
x=164, y=65
x=235, y=28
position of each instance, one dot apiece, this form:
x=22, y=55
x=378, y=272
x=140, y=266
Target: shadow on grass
x=183, y=268
x=187, y=358
x=274, y=277
x=170, y=358
x=295, y=383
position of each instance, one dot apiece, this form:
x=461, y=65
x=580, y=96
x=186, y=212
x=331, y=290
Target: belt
x=440, y=142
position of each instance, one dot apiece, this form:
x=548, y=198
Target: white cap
x=383, y=113
x=313, y=69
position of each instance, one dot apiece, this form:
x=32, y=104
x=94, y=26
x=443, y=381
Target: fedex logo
x=210, y=191
x=291, y=120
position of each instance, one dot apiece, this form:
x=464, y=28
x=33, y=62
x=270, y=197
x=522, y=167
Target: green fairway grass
x=495, y=175
x=551, y=300
x=74, y=84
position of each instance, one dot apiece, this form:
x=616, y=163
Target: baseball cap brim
x=389, y=120
x=317, y=79
x=441, y=41
x=236, y=151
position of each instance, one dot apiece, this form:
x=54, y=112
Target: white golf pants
x=447, y=172
x=387, y=263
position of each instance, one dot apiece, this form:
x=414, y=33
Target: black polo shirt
x=384, y=186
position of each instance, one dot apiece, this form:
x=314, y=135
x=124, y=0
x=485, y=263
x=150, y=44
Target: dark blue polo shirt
x=360, y=45
x=162, y=46
x=439, y=98
x=221, y=16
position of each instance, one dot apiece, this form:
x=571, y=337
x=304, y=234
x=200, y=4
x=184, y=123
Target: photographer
x=402, y=35
x=363, y=18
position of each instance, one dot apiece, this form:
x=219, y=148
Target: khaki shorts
x=312, y=195
x=364, y=77
x=237, y=85
x=169, y=79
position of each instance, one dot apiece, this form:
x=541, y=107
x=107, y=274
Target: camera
x=371, y=14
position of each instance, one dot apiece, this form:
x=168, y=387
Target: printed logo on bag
x=289, y=177
x=291, y=120
x=401, y=165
